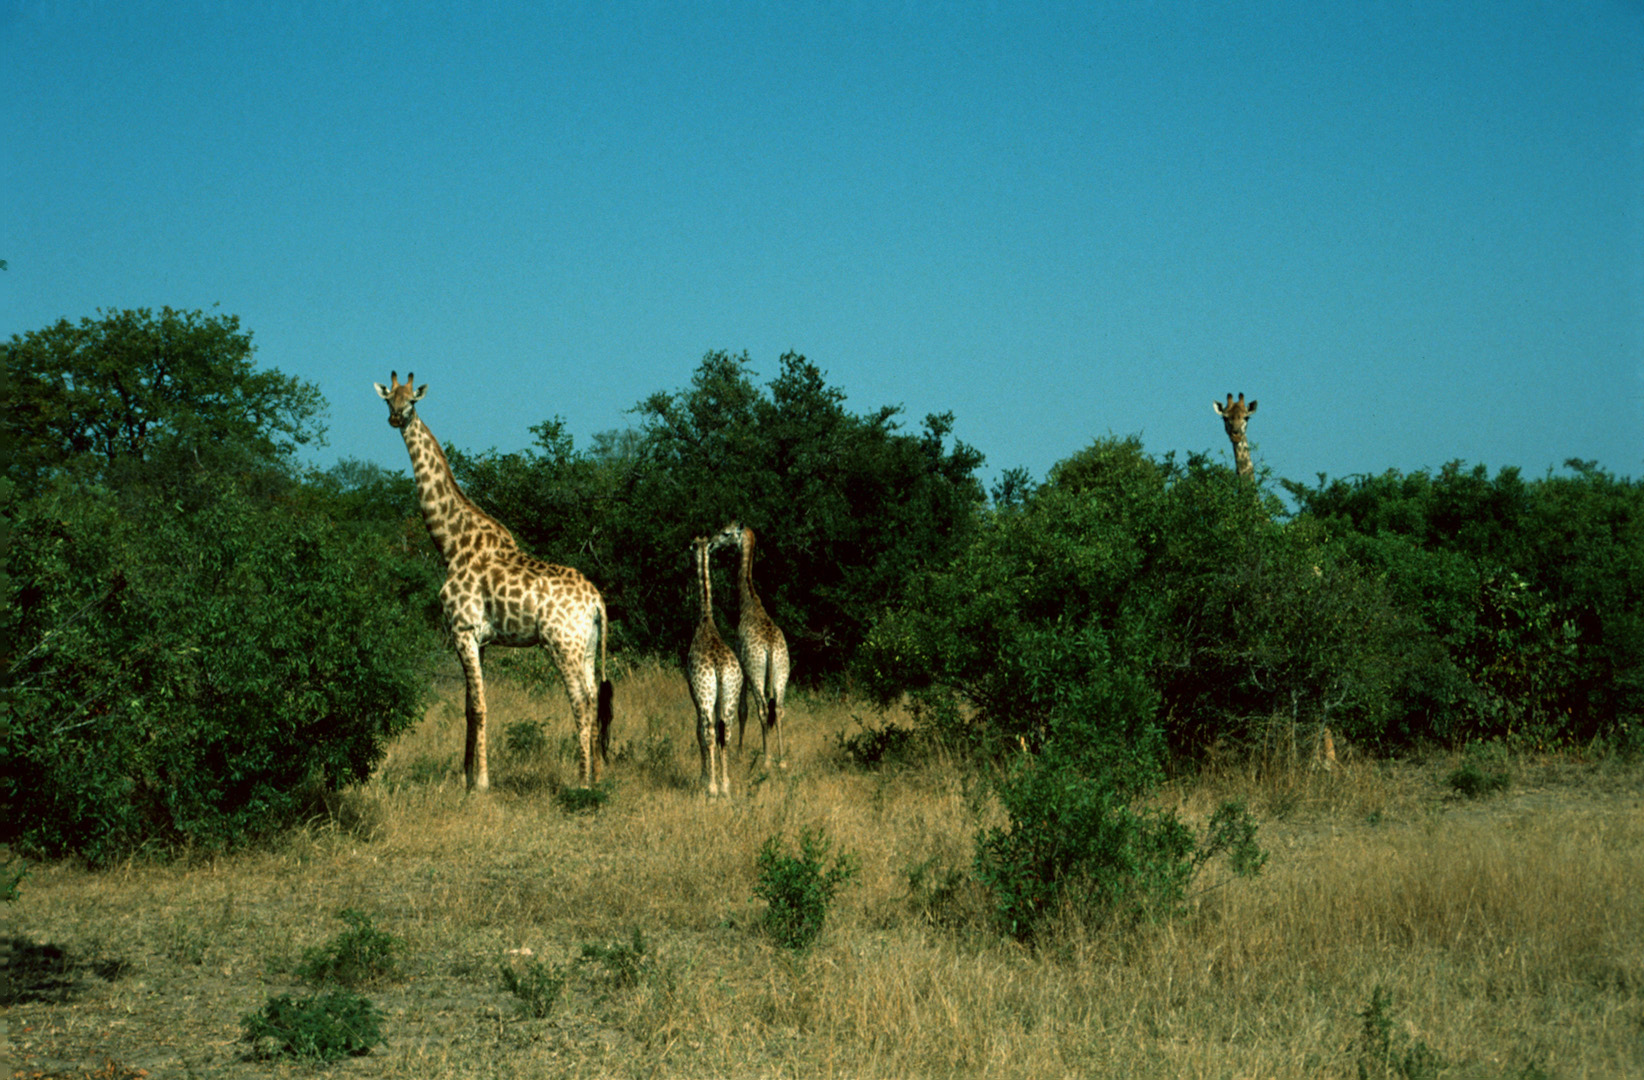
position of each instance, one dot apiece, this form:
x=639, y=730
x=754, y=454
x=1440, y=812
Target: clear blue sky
x=1413, y=231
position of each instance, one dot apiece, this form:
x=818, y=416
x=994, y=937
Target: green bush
x=327, y=1027
x=187, y=670
x=799, y=889
x=623, y=963
x=1075, y=845
x=537, y=985
x=359, y=955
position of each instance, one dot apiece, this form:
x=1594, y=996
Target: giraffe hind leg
x=474, y=770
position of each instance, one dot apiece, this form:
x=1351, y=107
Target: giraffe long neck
x=707, y=587
x=450, y=517
x=1241, y=455
x=744, y=578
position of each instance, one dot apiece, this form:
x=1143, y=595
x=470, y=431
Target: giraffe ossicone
x=496, y=594
x=761, y=646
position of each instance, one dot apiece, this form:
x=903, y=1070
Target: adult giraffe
x=496, y=594
x=715, y=679
x=761, y=645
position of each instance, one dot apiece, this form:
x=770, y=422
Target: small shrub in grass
x=327, y=1027
x=1483, y=772
x=798, y=889
x=359, y=955
x=583, y=800
x=12, y=873
x=1379, y=1059
x=524, y=738
x=871, y=748
x=537, y=986
x=1075, y=844
x=624, y=963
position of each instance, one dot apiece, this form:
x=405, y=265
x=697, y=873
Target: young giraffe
x=494, y=593
x=715, y=678
x=1235, y=414
x=763, y=649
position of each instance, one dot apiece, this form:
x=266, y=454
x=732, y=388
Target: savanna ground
x=1502, y=936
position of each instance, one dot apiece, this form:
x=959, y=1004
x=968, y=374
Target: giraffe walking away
x=715, y=678
x=496, y=594
x=1235, y=415
x=763, y=649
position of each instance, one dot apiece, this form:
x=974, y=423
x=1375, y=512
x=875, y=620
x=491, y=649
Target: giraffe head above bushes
x=1235, y=415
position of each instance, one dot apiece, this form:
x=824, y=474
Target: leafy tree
x=131, y=386
x=846, y=506
x=193, y=640
x=1529, y=595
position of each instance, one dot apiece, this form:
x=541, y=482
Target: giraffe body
x=496, y=594
x=715, y=678
x=762, y=647
x=1235, y=415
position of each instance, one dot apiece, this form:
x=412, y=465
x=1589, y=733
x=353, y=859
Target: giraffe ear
x=382, y=391
x=421, y=390
x=1250, y=408
x=1217, y=406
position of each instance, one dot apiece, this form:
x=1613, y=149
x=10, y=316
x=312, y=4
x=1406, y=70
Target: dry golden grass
x=1509, y=932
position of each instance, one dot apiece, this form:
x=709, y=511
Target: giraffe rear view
x=494, y=593
x=762, y=647
x=715, y=678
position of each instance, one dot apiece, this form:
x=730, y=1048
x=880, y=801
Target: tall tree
x=133, y=387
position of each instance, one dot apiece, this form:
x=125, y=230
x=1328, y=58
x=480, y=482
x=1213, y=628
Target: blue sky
x=1413, y=231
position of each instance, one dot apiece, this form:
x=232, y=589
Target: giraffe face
x=729, y=536
x=1235, y=414
x=402, y=399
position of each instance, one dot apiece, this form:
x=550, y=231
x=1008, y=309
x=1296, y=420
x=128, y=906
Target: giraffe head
x=402, y=399
x=1234, y=415
x=730, y=536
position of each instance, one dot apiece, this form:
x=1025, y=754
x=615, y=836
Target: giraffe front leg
x=474, y=757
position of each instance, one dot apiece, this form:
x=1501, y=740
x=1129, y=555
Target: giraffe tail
x=604, y=710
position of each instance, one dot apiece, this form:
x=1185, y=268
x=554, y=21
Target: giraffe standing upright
x=763, y=649
x=715, y=678
x=494, y=593
x=1235, y=414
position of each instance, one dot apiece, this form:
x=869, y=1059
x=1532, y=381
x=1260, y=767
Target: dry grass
x=1509, y=932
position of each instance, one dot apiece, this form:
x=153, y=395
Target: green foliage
x=1528, y=597
x=1129, y=605
x=622, y=963
x=194, y=644
x=799, y=889
x=536, y=984
x=133, y=387
x=327, y=1027
x=847, y=507
x=1483, y=771
x=1379, y=1058
x=583, y=800
x=874, y=747
x=12, y=873
x=359, y=955
x=1074, y=844
x=525, y=738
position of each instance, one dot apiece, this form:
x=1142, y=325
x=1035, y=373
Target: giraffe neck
x=744, y=578
x=1241, y=457
x=707, y=587
x=454, y=523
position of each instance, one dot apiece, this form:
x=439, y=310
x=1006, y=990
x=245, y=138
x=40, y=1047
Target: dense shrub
x=188, y=677
x=1528, y=597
